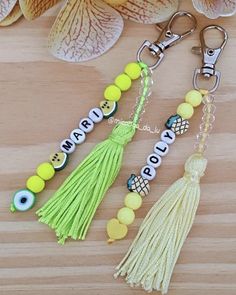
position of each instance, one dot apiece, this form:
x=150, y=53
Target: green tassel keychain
x=70, y=211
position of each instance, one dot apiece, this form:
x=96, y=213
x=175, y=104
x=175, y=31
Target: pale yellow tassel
x=152, y=256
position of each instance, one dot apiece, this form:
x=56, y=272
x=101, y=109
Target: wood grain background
x=42, y=99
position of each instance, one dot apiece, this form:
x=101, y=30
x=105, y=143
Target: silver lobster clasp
x=210, y=57
x=167, y=38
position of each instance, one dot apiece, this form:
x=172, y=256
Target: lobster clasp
x=210, y=57
x=167, y=38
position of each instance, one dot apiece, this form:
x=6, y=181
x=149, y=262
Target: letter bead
x=78, y=136
x=154, y=160
x=86, y=125
x=161, y=148
x=168, y=136
x=67, y=146
x=148, y=172
x=96, y=115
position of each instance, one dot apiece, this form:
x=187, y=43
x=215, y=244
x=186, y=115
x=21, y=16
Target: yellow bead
x=116, y=230
x=194, y=97
x=45, y=171
x=123, y=82
x=133, y=70
x=133, y=201
x=35, y=184
x=112, y=92
x=185, y=110
x=126, y=215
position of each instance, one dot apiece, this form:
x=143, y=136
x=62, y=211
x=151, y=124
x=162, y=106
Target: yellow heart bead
x=45, y=171
x=123, y=82
x=35, y=184
x=194, y=97
x=112, y=92
x=133, y=70
x=116, y=230
x=185, y=110
x=133, y=201
x=126, y=215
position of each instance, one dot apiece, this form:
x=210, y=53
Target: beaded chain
x=138, y=185
x=24, y=199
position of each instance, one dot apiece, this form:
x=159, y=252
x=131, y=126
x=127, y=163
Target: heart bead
x=116, y=230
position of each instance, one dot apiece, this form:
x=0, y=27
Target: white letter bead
x=168, y=136
x=148, y=172
x=154, y=160
x=96, y=115
x=67, y=146
x=78, y=136
x=161, y=148
x=86, y=125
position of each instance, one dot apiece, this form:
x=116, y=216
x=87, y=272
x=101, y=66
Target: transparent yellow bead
x=123, y=82
x=133, y=201
x=116, y=2
x=194, y=97
x=126, y=215
x=35, y=184
x=112, y=93
x=133, y=70
x=185, y=110
x=45, y=171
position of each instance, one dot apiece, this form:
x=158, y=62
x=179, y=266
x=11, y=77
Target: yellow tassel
x=152, y=256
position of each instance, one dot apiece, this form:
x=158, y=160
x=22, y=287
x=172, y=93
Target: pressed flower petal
x=14, y=15
x=84, y=30
x=215, y=8
x=34, y=8
x=6, y=7
x=148, y=12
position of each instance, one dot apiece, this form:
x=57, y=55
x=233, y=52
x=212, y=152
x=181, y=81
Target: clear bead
x=206, y=128
x=208, y=118
x=209, y=108
x=147, y=82
x=208, y=98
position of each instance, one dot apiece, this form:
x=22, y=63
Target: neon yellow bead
x=194, y=97
x=45, y=171
x=126, y=215
x=133, y=70
x=133, y=201
x=123, y=82
x=35, y=184
x=112, y=92
x=185, y=110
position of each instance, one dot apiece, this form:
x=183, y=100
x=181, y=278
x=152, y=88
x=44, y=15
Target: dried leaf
x=14, y=15
x=6, y=7
x=215, y=8
x=84, y=30
x=34, y=8
x=148, y=12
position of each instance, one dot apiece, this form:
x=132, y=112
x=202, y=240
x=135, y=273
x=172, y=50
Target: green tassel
x=70, y=211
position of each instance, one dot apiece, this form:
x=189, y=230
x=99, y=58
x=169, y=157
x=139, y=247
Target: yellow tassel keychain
x=151, y=258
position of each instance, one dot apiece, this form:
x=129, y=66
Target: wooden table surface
x=42, y=99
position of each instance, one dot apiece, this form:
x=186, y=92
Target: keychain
x=71, y=209
x=151, y=258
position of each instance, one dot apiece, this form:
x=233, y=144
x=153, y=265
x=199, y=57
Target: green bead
x=123, y=82
x=185, y=110
x=126, y=215
x=35, y=184
x=194, y=97
x=133, y=70
x=112, y=92
x=45, y=171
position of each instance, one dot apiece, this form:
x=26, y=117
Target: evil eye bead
x=67, y=146
x=148, y=172
x=78, y=136
x=154, y=160
x=96, y=115
x=23, y=200
x=86, y=125
x=161, y=148
x=168, y=136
